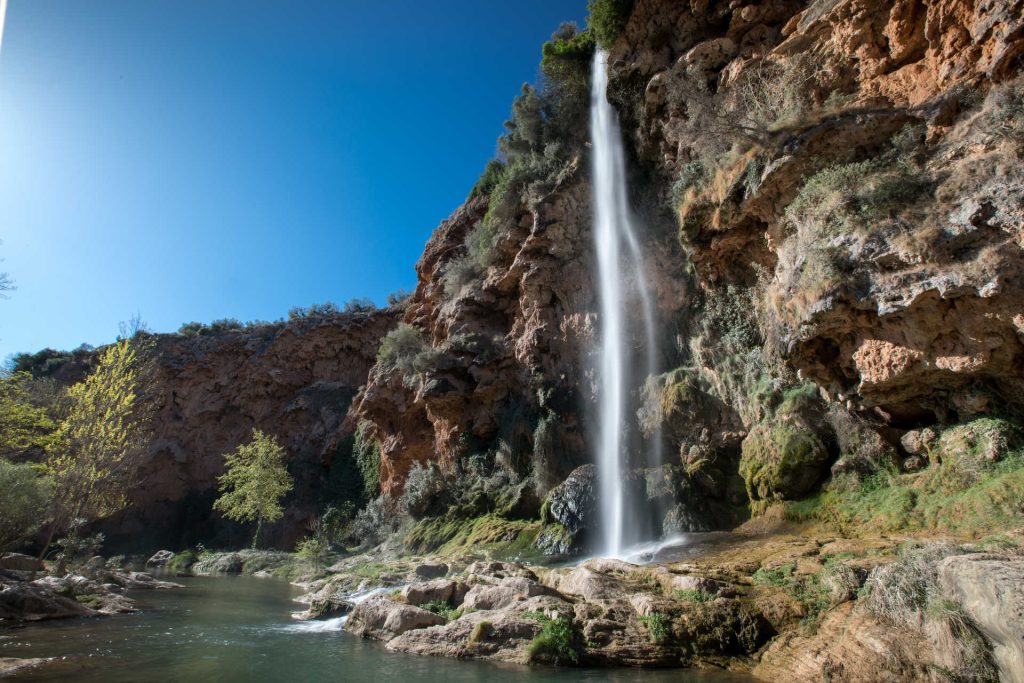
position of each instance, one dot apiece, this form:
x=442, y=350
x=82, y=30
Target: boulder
x=573, y=503
x=990, y=589
x=19, y=562
x=160, y=558
x=381, y=618
x=431, y=570
x=21, y=601
x=782, y=459
x=438, y=590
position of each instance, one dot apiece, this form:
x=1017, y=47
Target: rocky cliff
x=831, y=194
x=294, y=380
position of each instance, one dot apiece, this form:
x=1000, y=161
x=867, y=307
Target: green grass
x=962, y=492
x=658, y=625
x=807, y=589
x=694, y=596
x=489, y=534
x=554, y=642
x=443, y=608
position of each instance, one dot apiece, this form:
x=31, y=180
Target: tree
x=93, y=457
x=24, y=497
x=23, y=424
x=254, y=483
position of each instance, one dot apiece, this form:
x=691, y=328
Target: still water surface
x=238, y=629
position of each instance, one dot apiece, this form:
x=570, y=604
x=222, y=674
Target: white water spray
x=621, y=283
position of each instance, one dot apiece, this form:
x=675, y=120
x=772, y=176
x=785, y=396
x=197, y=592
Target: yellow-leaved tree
x=255, y=482
x=93, y=458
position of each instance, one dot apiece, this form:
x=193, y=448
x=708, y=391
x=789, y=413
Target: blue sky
x=203, y=159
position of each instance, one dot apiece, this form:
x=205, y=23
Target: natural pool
x=238, y=629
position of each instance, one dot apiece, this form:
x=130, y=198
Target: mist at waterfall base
x=627, y=352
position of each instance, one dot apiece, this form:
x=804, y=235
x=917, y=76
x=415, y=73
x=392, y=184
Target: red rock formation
x=294, y=380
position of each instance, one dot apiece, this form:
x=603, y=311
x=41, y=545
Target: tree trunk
x=46, y=549
x=256, y=536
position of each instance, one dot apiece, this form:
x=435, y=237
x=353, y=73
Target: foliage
x=46, y=362
x=398, y=297
x=422, y=486
x=974, y=485
x=494, y=171
x=906, y=594
x=658, y=625
x=133, y=328
x=374, y=522
x=451, y=535
x=607, y=18
x=315, y=311
x=554, y=642
x=93, y=457
x=481, y=631
x=1004, y=107
x=254, y=483
x=313, y=549
x=23, y=424
x=443, y=608
x=367, y=456
x=694, y=595
x=75, y=549
x=404, y=349
x=24, y=499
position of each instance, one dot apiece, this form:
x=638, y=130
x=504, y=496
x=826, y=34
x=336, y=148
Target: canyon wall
x=293, y=380
x=831, y=198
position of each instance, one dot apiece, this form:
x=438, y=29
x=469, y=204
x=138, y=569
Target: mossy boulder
x=782, y=459
x=982, y=440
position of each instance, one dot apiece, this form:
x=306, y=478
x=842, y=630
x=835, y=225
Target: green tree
x=23, y=424
x=255, y=482
x=93, y=457
x=24, y=498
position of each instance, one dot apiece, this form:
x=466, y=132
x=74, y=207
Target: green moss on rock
x=782, y=459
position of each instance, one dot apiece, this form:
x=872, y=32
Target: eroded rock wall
x=294, y=380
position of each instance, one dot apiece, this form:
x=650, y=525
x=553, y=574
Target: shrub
x=906, y=594
x=359, y=306
x=225, y=325
x=399, y=297
x=24, y=496
x=405, y=350
x=1004, y=107
x=607, y=18
x=694, y=595
x=374, y=522
x=443, y=608
x=422, y=486
x=658, y=625
x=191, y=329
x=494, y=171
x=554, y=642
x=481, y=631
x=367, y=456
x=314, y=550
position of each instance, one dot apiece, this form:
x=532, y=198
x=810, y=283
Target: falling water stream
x=622, y=285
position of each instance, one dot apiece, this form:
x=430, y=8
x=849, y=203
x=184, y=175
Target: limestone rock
x=160, y=558
x=991, y=591
x=381, y=618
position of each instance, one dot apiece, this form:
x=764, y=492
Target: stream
x=238, y=628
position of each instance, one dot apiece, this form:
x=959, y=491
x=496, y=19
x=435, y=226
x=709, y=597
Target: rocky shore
x=784, y=606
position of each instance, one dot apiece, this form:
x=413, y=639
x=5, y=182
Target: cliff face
x=831, y=197
x=294, y=380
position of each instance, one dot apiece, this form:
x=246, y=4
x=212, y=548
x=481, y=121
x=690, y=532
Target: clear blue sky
x=202, y=159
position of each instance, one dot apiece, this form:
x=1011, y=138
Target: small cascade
x=623, y=288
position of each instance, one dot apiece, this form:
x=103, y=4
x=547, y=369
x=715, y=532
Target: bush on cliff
x=404, y=349
x=607, y=19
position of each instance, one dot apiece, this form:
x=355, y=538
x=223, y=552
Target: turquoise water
x=238, y=629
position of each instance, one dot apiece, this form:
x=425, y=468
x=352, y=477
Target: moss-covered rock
x=982, y=440
x=782, y=459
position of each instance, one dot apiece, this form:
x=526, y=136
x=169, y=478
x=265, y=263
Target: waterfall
x=622, y=284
